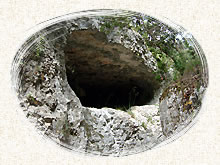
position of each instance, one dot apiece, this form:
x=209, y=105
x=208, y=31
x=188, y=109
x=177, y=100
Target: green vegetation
x=33, y=101
x=144, y=125
x=131, y=113
x=109, y=23
x=150, y=119
x=40, y=47
x=63, y=126
x=132, y=95
x=167, y=46
x=66, y=128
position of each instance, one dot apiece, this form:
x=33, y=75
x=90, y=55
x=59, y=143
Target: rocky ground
x=54, y=107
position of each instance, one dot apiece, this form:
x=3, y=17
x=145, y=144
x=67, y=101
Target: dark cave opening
x=118, y=95
x=104, y=74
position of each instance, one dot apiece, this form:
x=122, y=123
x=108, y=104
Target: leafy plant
x=167, y=46
x=150, y=119
x=144, y=125
x=33, y=101
x=40, y=47
x=131, y=113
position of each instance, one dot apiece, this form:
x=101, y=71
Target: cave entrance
x=104, y=74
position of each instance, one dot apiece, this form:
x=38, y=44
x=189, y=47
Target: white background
x=19, y=142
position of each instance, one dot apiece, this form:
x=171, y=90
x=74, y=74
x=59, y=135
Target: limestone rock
x=87, y=82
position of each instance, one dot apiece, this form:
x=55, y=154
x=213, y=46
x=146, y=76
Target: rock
x=87, y=81
x=178, y=106
x=148, y=116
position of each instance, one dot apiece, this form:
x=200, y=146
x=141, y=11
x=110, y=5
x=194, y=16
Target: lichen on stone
x=109, y=84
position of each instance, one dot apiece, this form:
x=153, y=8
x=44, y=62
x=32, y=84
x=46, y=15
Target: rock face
x=95, y=65
x=86, y=84
x=49, y=102
x=179, y=104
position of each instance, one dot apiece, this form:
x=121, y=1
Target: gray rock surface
x=178, y=105
x=82, y=45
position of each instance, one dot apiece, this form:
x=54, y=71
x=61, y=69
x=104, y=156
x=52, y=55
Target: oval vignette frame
x=165, y=21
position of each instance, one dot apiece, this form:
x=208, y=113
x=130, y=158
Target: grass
x=150, y=119
x=40, y=47
x=143, y=125
x=131, y=113
x=33, y=101
x=131, y=101
x=168, y=51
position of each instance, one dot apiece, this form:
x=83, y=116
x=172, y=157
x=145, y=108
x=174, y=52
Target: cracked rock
x=106, y=84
